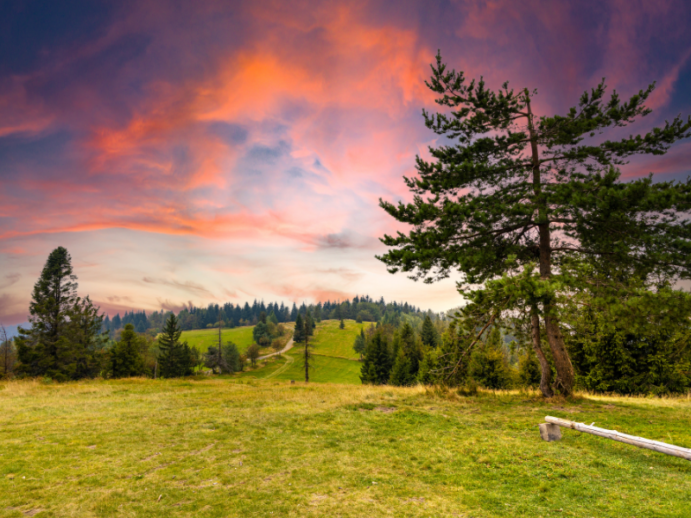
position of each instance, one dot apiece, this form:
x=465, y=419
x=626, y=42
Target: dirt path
x=280, y=370
x=288, y=346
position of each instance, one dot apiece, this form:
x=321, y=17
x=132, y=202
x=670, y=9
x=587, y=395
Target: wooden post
x=661, y=447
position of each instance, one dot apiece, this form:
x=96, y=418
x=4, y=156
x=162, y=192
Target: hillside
x=212, y=448
x=203, y=338
x=334, y=359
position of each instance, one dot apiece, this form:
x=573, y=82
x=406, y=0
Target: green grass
x=331, y=346
x=203, y=338
x=217, y=448
x=325, y=369
x=329, y=340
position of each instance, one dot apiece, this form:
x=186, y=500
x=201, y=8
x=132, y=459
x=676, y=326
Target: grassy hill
x=203, y=338
x=329, y=340
x=218, y=447
x=334, y=359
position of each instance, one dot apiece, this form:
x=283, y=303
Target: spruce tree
x=376, y=369
x=401, y=373
x=126, y=358
x=299, y=333
x=175, y=359
x=512, y=190
x=341, y=325
x=428, y=334
x=65, y=334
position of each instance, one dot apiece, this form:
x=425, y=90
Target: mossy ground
x=233, y=447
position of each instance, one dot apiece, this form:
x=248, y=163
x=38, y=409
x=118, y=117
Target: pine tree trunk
x=562, y=362
x=545, y=367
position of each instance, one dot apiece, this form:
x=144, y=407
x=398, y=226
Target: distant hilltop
x=360, y=308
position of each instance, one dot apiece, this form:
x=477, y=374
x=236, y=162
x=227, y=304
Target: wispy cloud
x=254, y=139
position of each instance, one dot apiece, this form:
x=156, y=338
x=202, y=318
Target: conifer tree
x=401, y=373
x=428, y=334
x=376, y=369
x=175, y=359
x=341, y=325
x=65, y=334
x=513, y=190
x=309, y=324
x=126, y=358
x=299, y=333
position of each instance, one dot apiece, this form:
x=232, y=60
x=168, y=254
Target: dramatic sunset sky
x=218, y=151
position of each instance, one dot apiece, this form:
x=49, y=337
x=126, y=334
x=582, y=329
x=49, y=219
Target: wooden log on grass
x=661, y=447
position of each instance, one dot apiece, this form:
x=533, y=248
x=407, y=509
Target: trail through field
x=288, y=346
x=282, y=369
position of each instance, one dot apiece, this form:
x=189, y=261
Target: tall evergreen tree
x=299, y=333
x=126, y=357
x=65, y=331
x=175, y=359
x=428, y=334
x=376, y=369
x=401, y=373
x=515, y=190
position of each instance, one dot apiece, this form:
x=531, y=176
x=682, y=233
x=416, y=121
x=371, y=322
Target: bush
x=529, y=369
x=488, y=365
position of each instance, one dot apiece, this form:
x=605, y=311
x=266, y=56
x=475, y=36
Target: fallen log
x=661, y=447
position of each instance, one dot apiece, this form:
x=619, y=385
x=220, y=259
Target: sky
x=217, y=151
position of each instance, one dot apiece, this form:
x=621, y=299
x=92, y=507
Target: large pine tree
x=64, y=338
x=512, y=190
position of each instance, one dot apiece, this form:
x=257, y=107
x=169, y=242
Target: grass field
x=216, y=448
x=290, y=366
x=329, y=340
x=240, y=336
x=203, y=338
x=331, y=346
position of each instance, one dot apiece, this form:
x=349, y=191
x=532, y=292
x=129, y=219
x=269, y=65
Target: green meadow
x=239, y=447
x=264, y=443
x=329, y=340
x=203, y=338
x=333, y=361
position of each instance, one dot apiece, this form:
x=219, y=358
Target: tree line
x=69, y=339
x=628, y=355
x=360, y=308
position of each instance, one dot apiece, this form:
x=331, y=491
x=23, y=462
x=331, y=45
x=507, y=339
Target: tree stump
x=550, y=432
